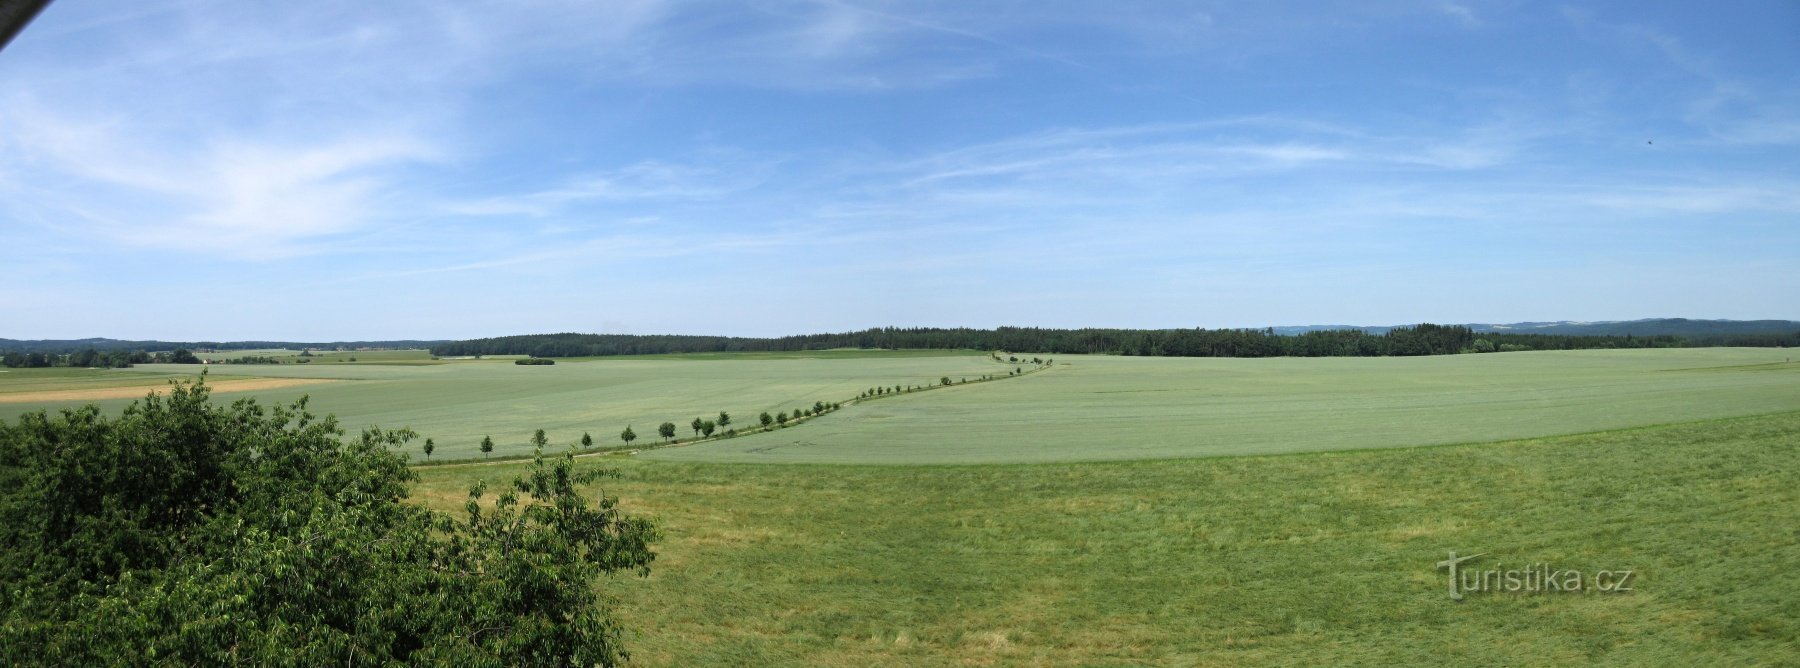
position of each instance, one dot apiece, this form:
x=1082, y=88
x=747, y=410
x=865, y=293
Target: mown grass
x=1322, y=559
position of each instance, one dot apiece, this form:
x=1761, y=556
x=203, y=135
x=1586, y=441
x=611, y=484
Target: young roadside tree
x=765, y=418
x=666, y=430
x=586, y=440
x=944, y=381
x=707, y=428
x=269, y=538
x=487, y=446
x=782, y=418
x=628, y=435
x=818, y=407
x=724, y=419
x=697, y=424
x=538, y=439
x=429, y=446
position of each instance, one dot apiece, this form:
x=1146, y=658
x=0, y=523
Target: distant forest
x=68, y=346
x=1423, y=339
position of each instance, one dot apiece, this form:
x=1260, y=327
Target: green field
x=55, y=379
x=457, y=403
x=1312, y=559
x=1083, y=408
x=1103, y=408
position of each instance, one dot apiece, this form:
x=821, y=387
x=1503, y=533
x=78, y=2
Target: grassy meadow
x=1309, y=559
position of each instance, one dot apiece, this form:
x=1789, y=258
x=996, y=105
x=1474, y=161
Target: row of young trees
x=1423, y=339
x=702, y=427
x=91, y=358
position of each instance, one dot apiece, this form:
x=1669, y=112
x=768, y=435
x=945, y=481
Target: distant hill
x=106, y=345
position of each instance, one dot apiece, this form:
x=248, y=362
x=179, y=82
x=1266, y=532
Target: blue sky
x=339, y=170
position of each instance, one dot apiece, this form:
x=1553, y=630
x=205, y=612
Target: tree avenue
x=184, y=532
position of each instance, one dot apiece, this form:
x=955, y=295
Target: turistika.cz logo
x=1531, y=579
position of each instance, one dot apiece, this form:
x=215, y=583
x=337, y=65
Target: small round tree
x=539, y=439
x=766, y=418
x=724, y=419
x=586, y=440
x=429, y=446
x=666, y=430
x=487, y=445
x=697, y=424
x=628, y=435
x=707, y=427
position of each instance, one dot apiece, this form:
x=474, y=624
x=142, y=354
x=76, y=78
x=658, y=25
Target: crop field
x=20, y=382
x=1309, y=559
x=1083, y=408
x=457, y=403
x=1104, y=408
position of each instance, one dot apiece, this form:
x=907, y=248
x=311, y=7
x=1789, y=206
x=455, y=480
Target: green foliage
x=765, y=418
x=487, y=445
x=186, y=533
x=539, y=439
x=587, y=441
x=628, y=435
x=667, y=429
x=533, y=361
x=724, y=419
x=430, y=445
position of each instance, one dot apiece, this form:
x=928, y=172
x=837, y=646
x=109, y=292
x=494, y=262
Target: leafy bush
x=185, y=533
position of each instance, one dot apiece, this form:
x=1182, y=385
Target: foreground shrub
x=187, y=533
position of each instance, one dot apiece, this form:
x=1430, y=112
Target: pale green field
x=55, y=379
x=457, y=403
x=1112, y=408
